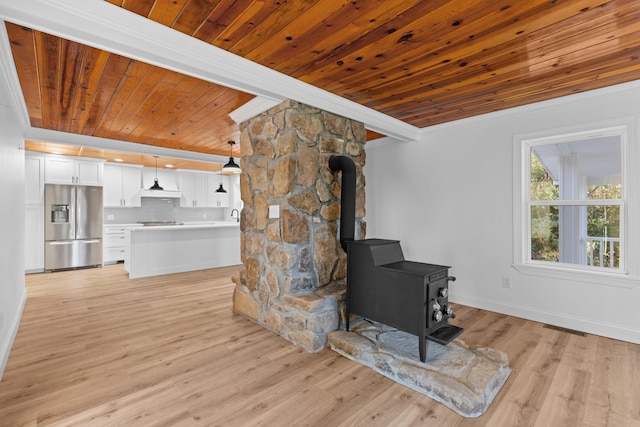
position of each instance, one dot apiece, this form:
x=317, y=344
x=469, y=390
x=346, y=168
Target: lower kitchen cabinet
x=113, y=243
x=34, y=238
x=152, y=251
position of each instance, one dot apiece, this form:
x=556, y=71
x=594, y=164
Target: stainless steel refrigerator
x=73, y=226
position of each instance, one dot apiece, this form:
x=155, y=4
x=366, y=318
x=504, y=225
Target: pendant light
x=231, y=167
x=221, y=188
x=155, y=185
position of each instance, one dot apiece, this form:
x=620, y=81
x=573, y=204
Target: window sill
x=619, y=280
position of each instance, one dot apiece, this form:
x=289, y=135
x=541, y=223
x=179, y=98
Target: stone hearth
x=464, y=378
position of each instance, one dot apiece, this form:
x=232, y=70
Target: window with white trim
x=575, y=209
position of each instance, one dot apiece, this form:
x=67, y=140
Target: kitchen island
x=152, y=251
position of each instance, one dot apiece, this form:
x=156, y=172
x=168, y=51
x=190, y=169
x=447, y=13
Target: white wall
x=448, y=198
x=12, y=291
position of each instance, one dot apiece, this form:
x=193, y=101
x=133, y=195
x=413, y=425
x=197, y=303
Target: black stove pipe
x=347, y=196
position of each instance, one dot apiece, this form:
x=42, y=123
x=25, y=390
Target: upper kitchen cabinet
x=194, y=189
x=122, y=185
x=67, y=170
x=218, y=199
x=166, y=178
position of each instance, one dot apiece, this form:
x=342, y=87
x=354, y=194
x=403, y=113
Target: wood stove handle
x=451, y=279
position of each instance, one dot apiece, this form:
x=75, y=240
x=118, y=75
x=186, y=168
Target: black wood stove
x=383, y=286
x=410, y=296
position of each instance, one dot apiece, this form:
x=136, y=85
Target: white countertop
x=187, y=226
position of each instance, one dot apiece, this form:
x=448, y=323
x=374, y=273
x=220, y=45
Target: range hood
x=156, y=191
x=161, y=194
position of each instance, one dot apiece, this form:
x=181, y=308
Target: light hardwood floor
x=95, y=348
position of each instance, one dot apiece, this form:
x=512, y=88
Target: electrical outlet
x=506, y=282
x=274, y=211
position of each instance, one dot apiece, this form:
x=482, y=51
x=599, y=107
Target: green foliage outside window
x=544, y=219
x=542, y=186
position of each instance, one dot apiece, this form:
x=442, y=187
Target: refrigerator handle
x=74, y=212
x=71, y=242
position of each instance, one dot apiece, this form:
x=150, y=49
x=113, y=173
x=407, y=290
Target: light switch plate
x=274, y=211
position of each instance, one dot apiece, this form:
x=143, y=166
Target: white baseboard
x=609, y=330
x=5, y=347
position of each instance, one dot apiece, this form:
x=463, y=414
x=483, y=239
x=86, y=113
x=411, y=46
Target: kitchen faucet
x=238, y=216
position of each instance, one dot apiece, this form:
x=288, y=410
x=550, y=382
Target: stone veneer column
x=291, y=280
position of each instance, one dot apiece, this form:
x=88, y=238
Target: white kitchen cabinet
x=194, y=188
x=122, y=184
x=34, y=238
x=152, y=251
x=34, y=179
x=114, y=243
x=68, y=170
x=219, y=200
x=34, y=213
x=166, y=178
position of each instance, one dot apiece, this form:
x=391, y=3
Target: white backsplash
x=163, y=210
x=159, y=209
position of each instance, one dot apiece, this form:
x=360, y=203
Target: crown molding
x=380, y=142
x=11, y=80
x=102, y=25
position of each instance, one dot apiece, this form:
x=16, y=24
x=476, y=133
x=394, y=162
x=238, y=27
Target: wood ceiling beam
x=99, y=24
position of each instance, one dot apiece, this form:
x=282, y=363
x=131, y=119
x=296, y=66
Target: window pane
x=577, y=170
x=544, y=233
x=604, y=191
x=603, y=236
x=583, y=235
x=542, y=185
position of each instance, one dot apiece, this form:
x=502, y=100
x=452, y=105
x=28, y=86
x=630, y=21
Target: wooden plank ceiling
x=423, y=62
x=120, y=157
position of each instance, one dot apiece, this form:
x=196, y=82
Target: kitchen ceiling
x=134, y=158
x=420, y=62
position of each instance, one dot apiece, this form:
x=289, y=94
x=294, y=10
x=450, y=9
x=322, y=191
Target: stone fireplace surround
x=292, y=278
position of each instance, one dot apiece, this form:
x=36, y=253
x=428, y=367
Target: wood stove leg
x=422, y=348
